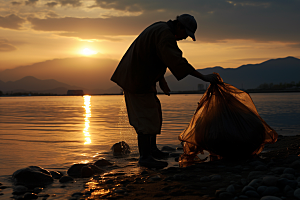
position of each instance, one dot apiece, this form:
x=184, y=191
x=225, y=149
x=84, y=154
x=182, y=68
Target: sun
x=88, y=52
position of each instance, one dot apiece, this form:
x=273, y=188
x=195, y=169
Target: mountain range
x=93, y=76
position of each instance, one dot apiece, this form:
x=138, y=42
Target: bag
x=227, y=124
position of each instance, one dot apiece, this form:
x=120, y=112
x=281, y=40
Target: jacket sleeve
x=171, y=55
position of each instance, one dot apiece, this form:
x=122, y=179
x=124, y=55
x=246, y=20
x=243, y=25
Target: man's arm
x=212, y=78
x=164, y=86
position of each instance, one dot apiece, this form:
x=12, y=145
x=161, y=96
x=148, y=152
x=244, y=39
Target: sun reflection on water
x=88, y=114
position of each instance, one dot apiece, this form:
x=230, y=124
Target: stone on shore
x=102, y=163
x=32, y=176
x=120, y=149
x=83, y=170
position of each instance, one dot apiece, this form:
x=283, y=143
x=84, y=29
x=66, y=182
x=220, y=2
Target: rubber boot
x=155, y=152
x=146, y=160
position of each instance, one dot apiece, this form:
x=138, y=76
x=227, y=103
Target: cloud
x=15, y=3
x=74, y=3
x=294, y=45
x=218, y=20
x=51, y=4
x=5, y=46
x=11, y=21
x=31, y=2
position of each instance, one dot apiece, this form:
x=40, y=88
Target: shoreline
x=207, y=180
x=249, y=91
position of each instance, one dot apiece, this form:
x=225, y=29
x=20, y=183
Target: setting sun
x=88, y=52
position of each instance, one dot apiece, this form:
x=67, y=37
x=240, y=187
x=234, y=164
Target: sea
x=55, y=132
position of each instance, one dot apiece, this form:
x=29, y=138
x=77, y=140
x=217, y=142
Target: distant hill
x=246, y=76
x=93, y=75
x=85, y=72
x=32, y=84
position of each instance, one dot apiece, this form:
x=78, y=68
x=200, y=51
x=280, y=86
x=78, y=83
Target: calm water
x=55, y=132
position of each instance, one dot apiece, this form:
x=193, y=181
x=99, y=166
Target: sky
x=229, y=33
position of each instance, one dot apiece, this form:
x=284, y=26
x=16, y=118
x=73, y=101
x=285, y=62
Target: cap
x=190, y=24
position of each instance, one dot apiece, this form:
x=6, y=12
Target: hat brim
x=191, y=34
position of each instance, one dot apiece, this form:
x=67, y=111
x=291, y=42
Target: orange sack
x=226, y=123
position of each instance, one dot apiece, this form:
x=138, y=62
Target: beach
x=275, y=168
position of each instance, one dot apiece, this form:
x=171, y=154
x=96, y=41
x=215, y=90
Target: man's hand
x=212, y=78
x=164, y=86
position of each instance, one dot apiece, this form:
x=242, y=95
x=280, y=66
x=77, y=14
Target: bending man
x=143, y=65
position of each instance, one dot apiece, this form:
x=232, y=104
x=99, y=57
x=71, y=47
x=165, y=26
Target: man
x=144, y=64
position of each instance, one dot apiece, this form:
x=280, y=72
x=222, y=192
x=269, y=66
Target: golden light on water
x=88, y=114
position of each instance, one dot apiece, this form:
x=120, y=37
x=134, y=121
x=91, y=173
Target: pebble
x=230, y=189
x=295, y=164
x=288, y=176
x=247, y=187
x=256, y=163
x=289, y=191
x=272, y=190
x=255, y=183
x=179, y=177
x=251, y=193
x=30, y=195
x=278, y=170
x=270, y=180
x=66, y=179
x=204, y=179
x=37, y=190
x=289, y=171
x=297, y=193
x=19, y=189
x=243, y=197
x=255, y=174
x=225, y=195
x=261, y=168
x=270, y=198
x=261, y=189
x=215, y=177
x=155, y=178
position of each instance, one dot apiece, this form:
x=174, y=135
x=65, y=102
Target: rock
x=282, y=182
x=261, y=189
x=179, y=177
x=289, y=171
x=270, y=181
x=272, y=190
x=261, y=168
x=230, y=189
x=120, y=149
x=225, y=195
x=242, y=197
x=37, y=190
x=278, y=170
x=32, y=176
x=255, y=174
x=19, y=189
x=56, y=175
x=86, y=171
x=204, y=179
x=288, y=176
x=215, y=177
x=289, y=191
x=256, y=163
x=295, y=164
x=102, y=163
x=297, y=193
x=255, y=183
x=252, y=193
x=66, y=179
x=155, y=178
x=83, y=170
x=167, y=148
x=270, y=198
x=247, y=187
x=30, y=195
x=144, y=172
x=219, y=191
